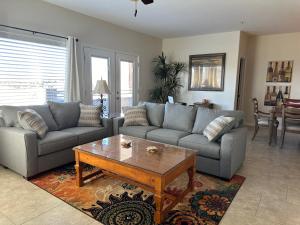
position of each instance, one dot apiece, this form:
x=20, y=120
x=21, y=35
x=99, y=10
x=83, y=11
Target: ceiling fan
x=146, y=2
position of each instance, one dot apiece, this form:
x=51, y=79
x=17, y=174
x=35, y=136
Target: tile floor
x=269, y=196
x=271, y=192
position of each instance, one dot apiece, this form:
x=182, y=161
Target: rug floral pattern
x=113, y=202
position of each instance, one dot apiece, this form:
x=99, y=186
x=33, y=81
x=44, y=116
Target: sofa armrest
x=18, y=150
x=233, y=151
x=117, y=123
x=108, y=125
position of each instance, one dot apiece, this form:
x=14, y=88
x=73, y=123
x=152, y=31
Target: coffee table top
x=164, y=159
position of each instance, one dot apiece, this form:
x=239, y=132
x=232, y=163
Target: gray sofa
x=183, y=126
x=23, y=152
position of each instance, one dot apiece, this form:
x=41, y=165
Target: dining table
x=275, y=113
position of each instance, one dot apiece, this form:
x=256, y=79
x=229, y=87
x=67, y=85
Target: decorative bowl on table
x=152, y=149
x=126, y=144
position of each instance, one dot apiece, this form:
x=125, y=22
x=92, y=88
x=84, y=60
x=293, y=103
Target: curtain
x=72, y=85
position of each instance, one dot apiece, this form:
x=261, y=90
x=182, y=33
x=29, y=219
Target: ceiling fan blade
x=147, y=2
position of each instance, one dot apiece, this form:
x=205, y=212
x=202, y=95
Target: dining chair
x=290, y=120
x=293, y=102
x=262, y=119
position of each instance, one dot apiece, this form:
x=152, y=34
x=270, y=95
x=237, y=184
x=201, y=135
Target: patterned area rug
x=113, y=202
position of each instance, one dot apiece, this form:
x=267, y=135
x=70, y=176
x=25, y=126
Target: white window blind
x=31, y=73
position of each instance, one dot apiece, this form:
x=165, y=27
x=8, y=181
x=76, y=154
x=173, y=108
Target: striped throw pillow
x=135, y=116
x=31, y=120
x=89, y=116
x=218, y=127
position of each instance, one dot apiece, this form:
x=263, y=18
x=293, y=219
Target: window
x=31, y=73
x=126, y=77
x=100, y=71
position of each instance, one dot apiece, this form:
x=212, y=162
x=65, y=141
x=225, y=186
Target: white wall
x=180, y=48
x=44, y=17
x=261, y=50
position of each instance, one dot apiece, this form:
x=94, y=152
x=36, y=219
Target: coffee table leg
x=79, y=180
x=191, y=173
x=159, y=207
x=159, y=201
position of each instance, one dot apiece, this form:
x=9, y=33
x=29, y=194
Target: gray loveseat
x=183, y=126
x=23, y=152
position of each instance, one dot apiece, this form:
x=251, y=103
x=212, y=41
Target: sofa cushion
x=203, y=117
x=179, y=117
x=136, y=131
x=87, y=134
x=155, y=113
x=45, y=113
x=201, y=145
x=9, y=114
x=66, y=114
x=31, y=120
x=167, y=136
x=56, y=141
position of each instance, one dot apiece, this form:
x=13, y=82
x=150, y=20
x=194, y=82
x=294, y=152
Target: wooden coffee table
x=150, y=171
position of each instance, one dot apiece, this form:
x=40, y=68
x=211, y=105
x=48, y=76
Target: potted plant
x=167, y=79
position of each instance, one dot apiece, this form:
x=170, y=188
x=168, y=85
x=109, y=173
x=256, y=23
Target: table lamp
x=101, y=88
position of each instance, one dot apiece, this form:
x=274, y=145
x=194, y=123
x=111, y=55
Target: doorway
x=240, y=85
x=121, y=74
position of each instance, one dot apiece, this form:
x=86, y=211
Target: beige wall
x=262, y=49
x=258, y=50
x=44, y=17
x=180, y=48
x=243, y=53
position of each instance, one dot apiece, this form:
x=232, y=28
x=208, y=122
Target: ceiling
x=176, y=18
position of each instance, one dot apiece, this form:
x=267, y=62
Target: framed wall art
x=276, y=95
x=206, y=72
x=280, y=71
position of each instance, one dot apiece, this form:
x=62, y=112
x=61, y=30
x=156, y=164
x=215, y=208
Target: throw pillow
x=218, y=127
x=31, y=120
x=89, y=116
x=135, y=116
x=125, y=108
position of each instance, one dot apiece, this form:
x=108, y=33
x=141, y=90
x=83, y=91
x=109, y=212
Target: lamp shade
x=101, y=88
